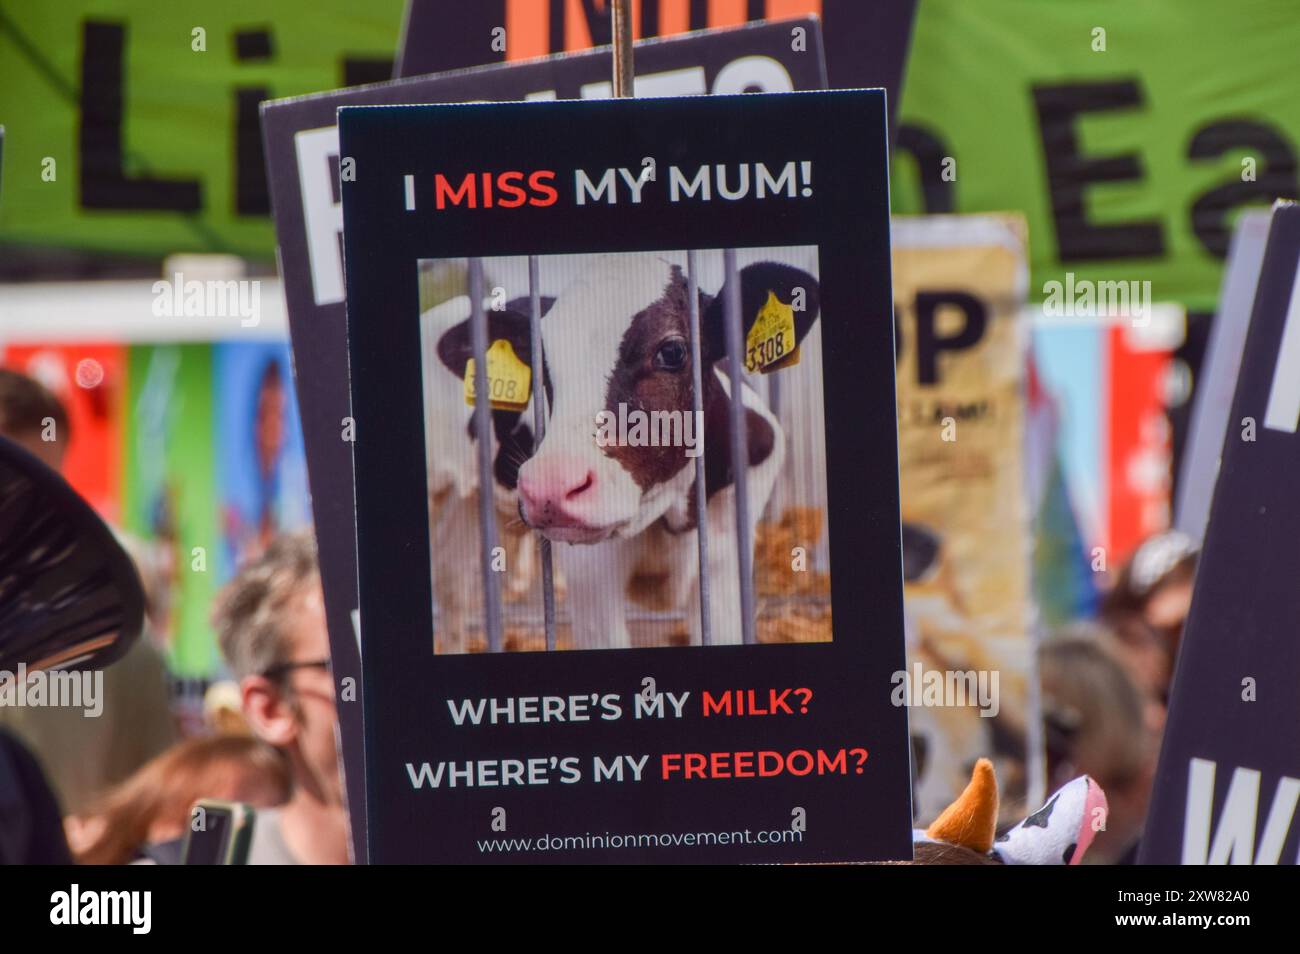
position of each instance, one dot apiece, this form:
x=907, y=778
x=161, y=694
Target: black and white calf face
x=617, y=346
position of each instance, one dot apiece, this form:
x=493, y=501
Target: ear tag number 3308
x=509, y=379
x=770, y=344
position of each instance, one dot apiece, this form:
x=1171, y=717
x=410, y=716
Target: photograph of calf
x=593, y=537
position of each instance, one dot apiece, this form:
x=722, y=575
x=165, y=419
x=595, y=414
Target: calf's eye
x=671, y=355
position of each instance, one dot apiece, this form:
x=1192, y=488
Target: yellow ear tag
x=509, y=379
x=770, y=344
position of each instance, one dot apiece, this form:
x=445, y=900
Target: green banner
x=1122, y=129
x=133, y=127
x=1130, y=134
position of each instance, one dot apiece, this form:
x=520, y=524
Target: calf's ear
x=456, y=346
x=521, y=304
x=791, y=286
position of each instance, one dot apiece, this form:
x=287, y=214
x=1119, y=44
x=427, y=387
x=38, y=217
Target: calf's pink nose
x=557, y=481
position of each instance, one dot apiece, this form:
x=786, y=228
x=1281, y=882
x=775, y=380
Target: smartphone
x=219, y=833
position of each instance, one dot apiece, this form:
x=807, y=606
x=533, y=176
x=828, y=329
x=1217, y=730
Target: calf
x=616, y=340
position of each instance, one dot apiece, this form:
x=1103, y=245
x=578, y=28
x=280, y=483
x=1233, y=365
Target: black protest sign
x=303, y=168
x=1228, y=783
x=625, y=261
x=866, y=43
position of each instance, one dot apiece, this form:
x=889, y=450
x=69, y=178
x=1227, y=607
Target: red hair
x=164, y=790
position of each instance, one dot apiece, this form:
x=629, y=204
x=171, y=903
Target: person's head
x=1093, y=708
x=1097, y=724
x=270, y=622
x=932, y=853
x=1145, y=653
x=1156, y=586
x=31, y=416
x=154, y=804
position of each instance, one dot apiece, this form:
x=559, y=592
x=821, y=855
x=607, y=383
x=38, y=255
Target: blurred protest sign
x=169, y=494
x=133, y=127
x=261, y=468
x=1110, y=375
x=304, y=168
x=866, y=43
x=141, y=452
x=1215, y=386
x=1130, y=146
x=89, y=380
x=959, y=289
x=192, y=447
x=1228, y=782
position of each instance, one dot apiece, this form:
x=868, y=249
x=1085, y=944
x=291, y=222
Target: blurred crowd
x=125, y=782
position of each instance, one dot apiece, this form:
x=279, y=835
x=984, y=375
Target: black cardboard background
x=1246, y=606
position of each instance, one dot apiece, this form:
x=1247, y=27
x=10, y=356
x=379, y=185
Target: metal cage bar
x=483, y=433
x=774, y=395
x=739, y=444
x=539, y=431
x=697, y=411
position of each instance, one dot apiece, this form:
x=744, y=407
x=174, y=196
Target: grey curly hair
x=249, y=614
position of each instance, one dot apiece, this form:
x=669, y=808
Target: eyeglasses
x=283, y=669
